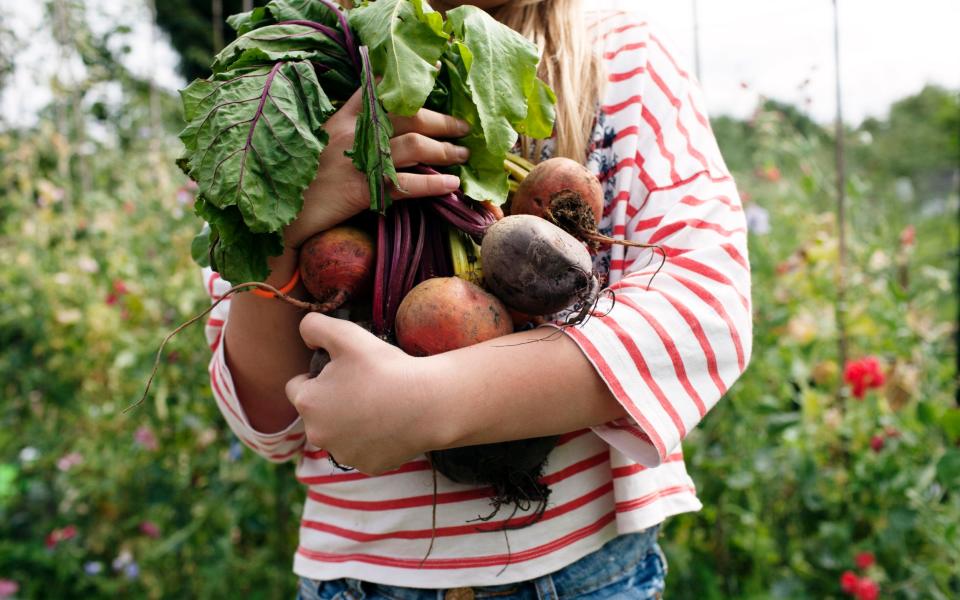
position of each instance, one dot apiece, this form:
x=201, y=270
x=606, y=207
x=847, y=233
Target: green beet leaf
x=482, y=177
x=253, y=140
x=406, y=38
x=282, y=10
x=302, y=10
x=250, y=20
x=501, y=76
x=235, y=252
x=371, y=148
x=274, y=43
x=541, y=112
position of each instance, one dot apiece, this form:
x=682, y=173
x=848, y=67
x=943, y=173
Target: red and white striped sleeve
x=275, y=447
x=668, y=345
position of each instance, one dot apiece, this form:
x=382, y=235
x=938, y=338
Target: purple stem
x=395, y=277
x=457, y=220
x=352, y=47
x=380, y=277
x=326, y=30
x=417, y=251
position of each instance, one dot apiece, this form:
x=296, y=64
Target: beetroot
x=446, y=313
x=564, y=192
x=337, y=264
x=535, y=267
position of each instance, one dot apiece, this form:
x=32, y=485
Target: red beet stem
x=380, y=277
x=417, y=251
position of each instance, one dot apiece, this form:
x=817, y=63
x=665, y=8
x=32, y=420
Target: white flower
x=87, y=264
x=29, y=454
x=758, y=219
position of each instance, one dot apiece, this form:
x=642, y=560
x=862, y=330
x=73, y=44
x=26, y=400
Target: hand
x=340, y=191
x=369, y=406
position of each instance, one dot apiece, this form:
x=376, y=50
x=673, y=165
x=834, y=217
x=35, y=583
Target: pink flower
x=864, y=374
x=8, y=588
x=864, y=560
x=150, y=529
x=867, y=589
x=120, y=287
x=68, y=461
x=876, y=444
x=849, y=582
x=145, y=438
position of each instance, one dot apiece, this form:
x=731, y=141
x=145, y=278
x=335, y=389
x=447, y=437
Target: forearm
x=528, y=384
x=264, y=350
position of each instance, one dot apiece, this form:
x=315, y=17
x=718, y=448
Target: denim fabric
x=629, y=567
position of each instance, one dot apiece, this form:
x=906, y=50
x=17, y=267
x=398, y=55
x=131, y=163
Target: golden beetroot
x=446, y=313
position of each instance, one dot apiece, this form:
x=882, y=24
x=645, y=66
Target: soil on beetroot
x=569, y=212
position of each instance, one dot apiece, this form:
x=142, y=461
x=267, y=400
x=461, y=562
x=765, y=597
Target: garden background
x=816, y=476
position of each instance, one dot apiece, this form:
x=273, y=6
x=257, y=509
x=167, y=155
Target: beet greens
x=254, y=129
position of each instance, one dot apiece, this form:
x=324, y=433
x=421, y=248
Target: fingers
x=414, y=149
x=430, y=123
x=293, y=387
x=333, y=335
x=422, y=186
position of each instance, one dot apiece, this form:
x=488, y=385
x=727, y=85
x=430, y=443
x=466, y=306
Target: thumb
x=333, y=335
x=293, y=386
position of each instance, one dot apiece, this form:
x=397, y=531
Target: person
x=622, y=389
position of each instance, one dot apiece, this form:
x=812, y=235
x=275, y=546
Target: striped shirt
x=668, y=349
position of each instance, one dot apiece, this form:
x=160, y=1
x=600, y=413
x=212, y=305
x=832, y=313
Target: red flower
x=876, y=444
x=150, y=529
x=849, y=582
x=111, y=299
x=863, y=374
x=770, y=173
x=908, y=236
x=867, y=589
x=61, y=535
x=120, y=287
x=865, y=560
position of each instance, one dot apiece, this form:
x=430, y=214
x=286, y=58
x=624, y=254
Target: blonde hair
x=568, y=65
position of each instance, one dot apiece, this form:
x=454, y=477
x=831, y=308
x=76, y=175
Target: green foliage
x=796, y=480
x=163, y=492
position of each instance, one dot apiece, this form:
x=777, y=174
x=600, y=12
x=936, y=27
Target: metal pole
x=841, y=309
x=696, y=41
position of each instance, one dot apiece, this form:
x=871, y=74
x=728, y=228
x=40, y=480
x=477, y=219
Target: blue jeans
x=628, y=567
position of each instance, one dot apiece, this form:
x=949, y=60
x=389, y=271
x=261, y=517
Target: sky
x=889, y=49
